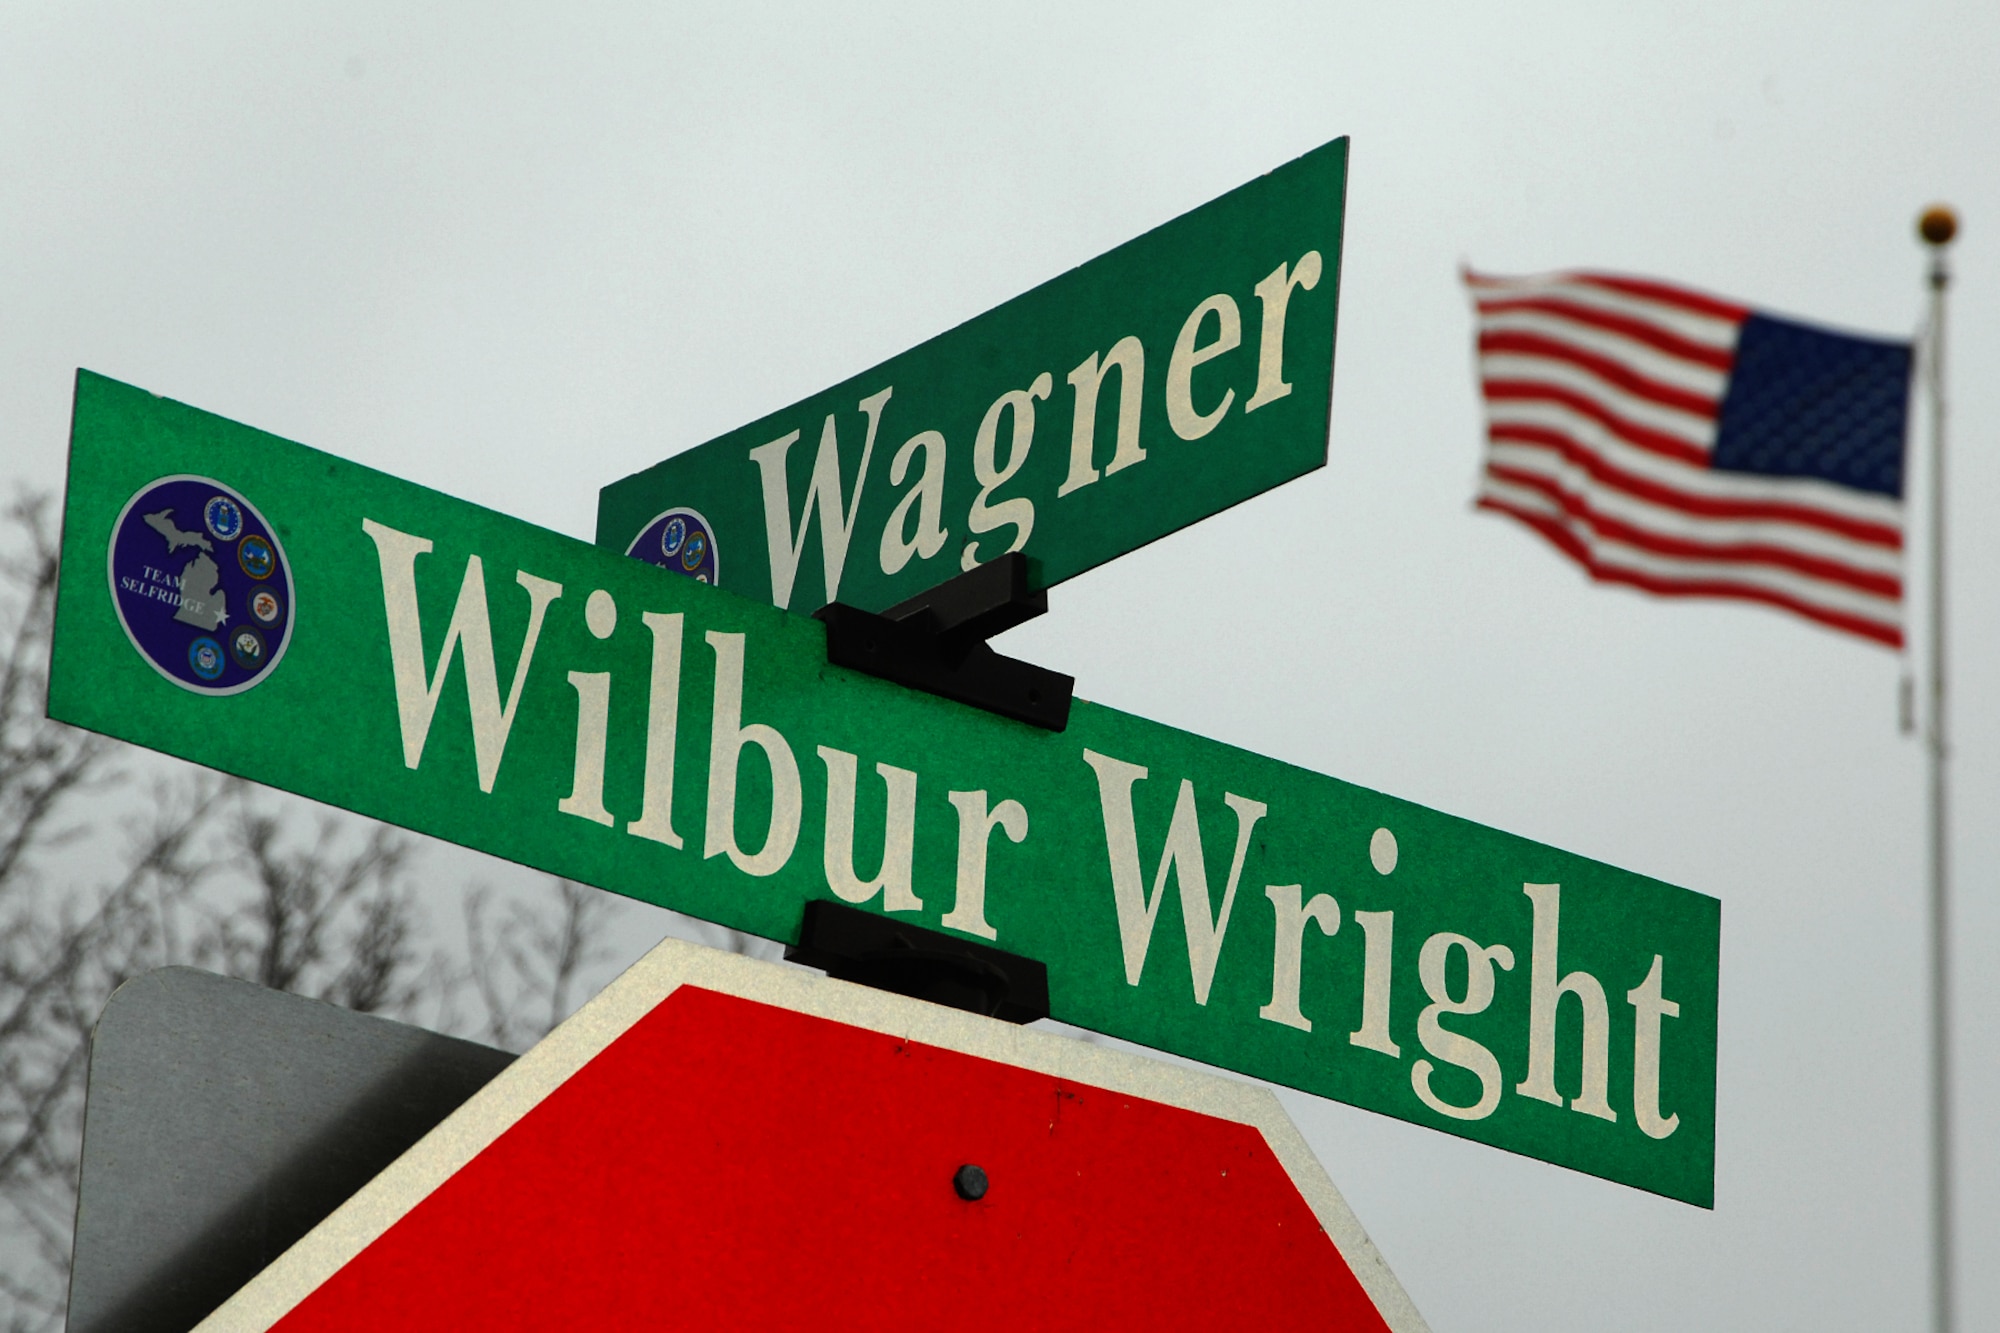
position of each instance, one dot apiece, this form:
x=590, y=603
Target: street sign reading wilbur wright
x=296, y=619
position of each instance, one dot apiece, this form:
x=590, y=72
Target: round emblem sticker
x=224, y=518
x=680, y=540
x=200, y=584
x=254, y=554
x=205, y=658
x=246, y=649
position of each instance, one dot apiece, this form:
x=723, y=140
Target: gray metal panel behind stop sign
x=224, y=1120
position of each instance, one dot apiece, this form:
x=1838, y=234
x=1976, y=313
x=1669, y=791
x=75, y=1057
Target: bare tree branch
x=104, y=877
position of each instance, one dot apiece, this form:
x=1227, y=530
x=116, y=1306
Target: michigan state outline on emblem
x=201, y=584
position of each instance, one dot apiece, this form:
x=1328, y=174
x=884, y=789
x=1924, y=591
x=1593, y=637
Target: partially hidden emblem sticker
x=201, y=585
x=680, y=540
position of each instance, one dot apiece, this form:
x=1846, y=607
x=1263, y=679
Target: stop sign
x=716, y=1142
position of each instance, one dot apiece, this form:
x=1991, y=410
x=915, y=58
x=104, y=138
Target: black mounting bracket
x=853, y=945
x=936, y=642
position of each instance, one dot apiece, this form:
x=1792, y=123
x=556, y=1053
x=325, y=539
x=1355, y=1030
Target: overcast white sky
x=514, y=252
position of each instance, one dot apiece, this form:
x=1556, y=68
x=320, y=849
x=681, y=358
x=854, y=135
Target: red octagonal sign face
x=721, y=1143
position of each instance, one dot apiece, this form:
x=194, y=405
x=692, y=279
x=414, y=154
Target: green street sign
x=1179, y=374
x=281, y=614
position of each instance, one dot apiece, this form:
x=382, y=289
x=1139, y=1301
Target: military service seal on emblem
x=680, y=540
x=224, y=518
x=195, y=567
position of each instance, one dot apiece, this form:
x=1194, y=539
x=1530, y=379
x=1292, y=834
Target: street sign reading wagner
x=1177, y=375
x=475, y=678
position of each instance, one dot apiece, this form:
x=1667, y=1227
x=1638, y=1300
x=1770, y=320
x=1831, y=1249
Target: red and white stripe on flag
x=1603, y=398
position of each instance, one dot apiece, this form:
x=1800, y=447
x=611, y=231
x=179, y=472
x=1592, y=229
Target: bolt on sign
x=839, y=1157
x=290, y=617
x=1179, y=374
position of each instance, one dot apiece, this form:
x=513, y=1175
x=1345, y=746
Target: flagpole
x=1937, y=227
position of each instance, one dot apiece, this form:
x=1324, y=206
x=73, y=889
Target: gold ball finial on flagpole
x=1938, y=225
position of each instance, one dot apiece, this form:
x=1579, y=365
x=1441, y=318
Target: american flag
x=1691, y=446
